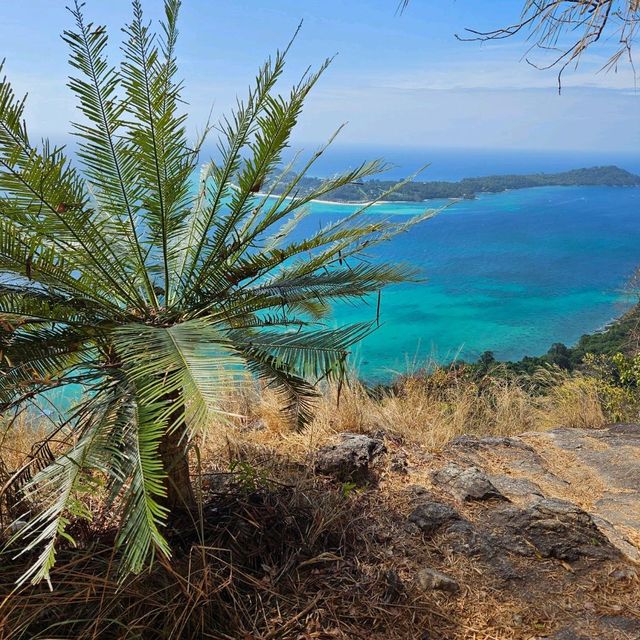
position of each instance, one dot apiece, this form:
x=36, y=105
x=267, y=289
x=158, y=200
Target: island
x=468, y=188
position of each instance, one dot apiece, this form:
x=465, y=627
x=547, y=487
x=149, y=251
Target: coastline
x=470, y=188
x=337, y=202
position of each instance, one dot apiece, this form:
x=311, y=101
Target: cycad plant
x=155, y=291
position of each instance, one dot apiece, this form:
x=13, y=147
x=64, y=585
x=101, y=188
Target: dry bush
x=276, y=560
x=21, y=450
x=424, y=409
x=449, y=404
x=571, y=401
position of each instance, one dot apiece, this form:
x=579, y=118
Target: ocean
x=511, y=272
x=455, y=164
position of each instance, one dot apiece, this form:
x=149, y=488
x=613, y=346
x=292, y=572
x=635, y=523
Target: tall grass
x=427, y=409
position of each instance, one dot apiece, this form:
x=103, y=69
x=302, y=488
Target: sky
x=400, y=80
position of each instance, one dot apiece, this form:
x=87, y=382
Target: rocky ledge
x=550, y=521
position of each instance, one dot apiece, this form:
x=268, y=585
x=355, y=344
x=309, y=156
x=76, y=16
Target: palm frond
x=57, y=485
x=164, y=160
x=105, y=153
x=191, y=362
x=49, y=195
x=37, y=358
x=312, y=354
x=140, y=537
x=236, y=131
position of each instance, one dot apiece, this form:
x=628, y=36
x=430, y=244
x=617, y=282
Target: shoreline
x=451, y=199
x=337, y=202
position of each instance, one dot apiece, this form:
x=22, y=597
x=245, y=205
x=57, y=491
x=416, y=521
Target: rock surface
x=549, y=522
x=553, y=529
x=596, y=470
x=538, y=534
x=466, y=483
x=430, y=516
x=351, y=458
x=430, y=579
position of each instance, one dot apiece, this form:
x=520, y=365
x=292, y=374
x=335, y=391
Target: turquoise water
x=510, y=272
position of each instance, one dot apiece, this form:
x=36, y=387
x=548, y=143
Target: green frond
x=107, y=157
x=236, y=131
x=140, y=537
x=28, y=256
x=49, y=197
x=191, y=362
x=57, y=487
x=297, y=394
x=157, y=130
x=37, y=304
x=311, y=354
x=34, y=359
x=275, y=123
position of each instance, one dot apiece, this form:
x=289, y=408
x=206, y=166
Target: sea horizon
x=458, y=163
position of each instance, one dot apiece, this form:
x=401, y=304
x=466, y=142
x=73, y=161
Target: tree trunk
x=175, y=460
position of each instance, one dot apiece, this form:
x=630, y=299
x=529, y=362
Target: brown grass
x=283, y=554
x=426, y=410
x=294, y=558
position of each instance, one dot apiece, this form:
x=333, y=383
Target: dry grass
x=293, y=558
x=573, y=402
x=427, y=410
x=280, y=553
x=20, y=438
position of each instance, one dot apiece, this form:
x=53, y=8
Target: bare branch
x=567, y=28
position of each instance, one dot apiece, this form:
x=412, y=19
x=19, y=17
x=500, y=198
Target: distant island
x=469, y=188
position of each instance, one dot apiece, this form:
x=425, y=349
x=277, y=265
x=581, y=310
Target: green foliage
x=414, y=191
x=347, y=488
x=249, y=477
x=619, y=336
x=118, y=276
x=618, y=379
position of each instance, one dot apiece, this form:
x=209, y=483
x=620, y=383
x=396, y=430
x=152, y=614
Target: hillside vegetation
x=415, y=191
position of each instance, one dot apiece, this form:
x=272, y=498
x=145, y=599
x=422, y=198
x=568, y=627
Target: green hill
x=469, y=187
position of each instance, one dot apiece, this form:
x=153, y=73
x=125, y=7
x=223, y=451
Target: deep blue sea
x=454, y=164
x=511, y=272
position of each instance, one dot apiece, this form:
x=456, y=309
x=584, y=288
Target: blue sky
x=398, y=80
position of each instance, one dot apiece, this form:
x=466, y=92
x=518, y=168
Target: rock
x=554, y=528
x=430, y=579
x=616, y=539
x=568, y=634
x=624, y=573
x=431, y=516
x=466, y=483
x=467, y=540
x=399, y=463
x=511, y=487
x=624, y=624
x=350, y=459
x=417, y=490
x=476, y=442
x=595, y=467
x=624, y=428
